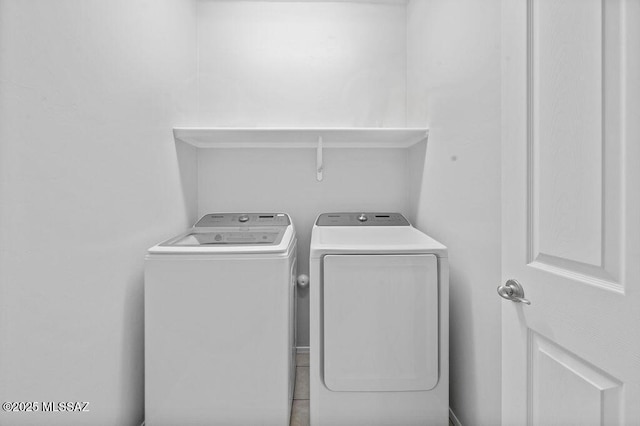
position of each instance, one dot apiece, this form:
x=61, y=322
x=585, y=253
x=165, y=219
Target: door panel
x=571, y=211
x=574, y=143
x=567, y=177
x=566, y=390
x=380, y=322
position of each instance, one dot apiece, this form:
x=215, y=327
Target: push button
x=243, y=218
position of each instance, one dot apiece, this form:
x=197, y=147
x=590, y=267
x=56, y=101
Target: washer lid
x=229, y=236
x=228, y=233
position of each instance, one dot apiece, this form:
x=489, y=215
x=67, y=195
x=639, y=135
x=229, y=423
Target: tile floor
x=300, y=407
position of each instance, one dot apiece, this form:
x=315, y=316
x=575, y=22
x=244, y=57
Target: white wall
x=301, y=64
x=89, y=91
x=454, y=86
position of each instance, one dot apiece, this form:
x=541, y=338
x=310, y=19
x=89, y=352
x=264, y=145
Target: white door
x=382, y=331
x=571, y=212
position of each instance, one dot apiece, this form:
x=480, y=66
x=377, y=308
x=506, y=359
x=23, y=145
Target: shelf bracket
x=319, y=163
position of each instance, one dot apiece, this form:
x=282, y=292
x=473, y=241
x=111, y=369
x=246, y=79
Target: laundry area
x=319, y=212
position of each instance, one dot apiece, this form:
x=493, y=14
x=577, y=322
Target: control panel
x=218, y=220
x=362, y=219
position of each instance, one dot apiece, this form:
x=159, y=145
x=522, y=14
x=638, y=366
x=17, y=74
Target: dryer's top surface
x=376, y=239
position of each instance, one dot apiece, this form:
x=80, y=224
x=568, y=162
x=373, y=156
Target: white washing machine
x=379, y=322
x=220, y=323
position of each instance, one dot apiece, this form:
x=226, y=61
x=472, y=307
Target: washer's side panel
x=216, y=340
x=293, y=297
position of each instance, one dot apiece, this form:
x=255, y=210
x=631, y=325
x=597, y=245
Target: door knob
x=512, y=290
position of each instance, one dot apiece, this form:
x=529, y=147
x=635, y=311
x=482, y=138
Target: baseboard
x=453, y=418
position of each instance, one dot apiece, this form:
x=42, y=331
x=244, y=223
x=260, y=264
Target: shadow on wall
x=187, y=158
x=133, y=339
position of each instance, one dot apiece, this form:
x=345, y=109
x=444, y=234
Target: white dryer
x=379, y=322
x=220, y=323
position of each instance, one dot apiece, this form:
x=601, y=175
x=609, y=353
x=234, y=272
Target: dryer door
x=380, y=322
